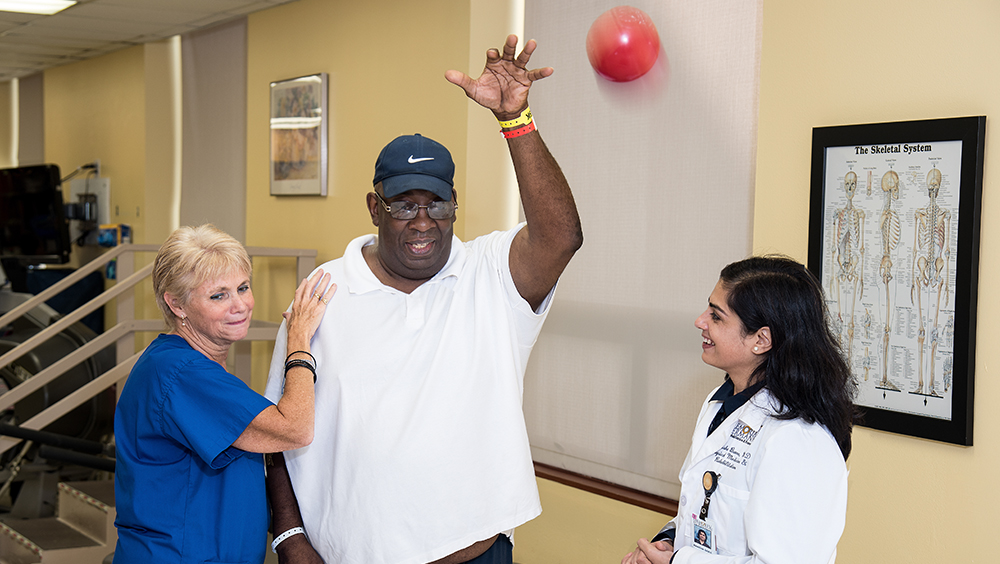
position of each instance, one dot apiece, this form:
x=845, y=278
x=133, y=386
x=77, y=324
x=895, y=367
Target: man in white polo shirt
x=420, y=451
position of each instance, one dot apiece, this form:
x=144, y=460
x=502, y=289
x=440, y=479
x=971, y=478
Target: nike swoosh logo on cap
x=412, y=160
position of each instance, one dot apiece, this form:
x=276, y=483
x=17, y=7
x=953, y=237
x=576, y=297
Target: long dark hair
x=804, y=371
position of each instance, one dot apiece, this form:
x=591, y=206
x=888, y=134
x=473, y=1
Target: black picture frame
x=896, y=245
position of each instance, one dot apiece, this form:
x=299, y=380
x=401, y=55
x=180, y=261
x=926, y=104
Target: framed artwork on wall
x=299, y=136
x=894, y=227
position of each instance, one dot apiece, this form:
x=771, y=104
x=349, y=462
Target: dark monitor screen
x=33, y=226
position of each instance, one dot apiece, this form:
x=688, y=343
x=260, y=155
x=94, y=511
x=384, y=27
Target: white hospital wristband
x=290, y=532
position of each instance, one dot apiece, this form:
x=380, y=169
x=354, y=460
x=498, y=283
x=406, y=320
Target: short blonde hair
x=189, y=257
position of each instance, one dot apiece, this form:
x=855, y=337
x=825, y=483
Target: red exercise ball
x=622, y=44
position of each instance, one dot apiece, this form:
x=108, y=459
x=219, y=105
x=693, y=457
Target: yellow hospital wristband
x=523, y=119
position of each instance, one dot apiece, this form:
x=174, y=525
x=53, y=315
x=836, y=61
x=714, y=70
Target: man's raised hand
x=503, y=86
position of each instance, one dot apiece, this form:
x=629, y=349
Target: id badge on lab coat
x=704, y=536
x=702, y=533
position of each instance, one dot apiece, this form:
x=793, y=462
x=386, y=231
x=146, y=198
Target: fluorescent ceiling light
x=45, y=7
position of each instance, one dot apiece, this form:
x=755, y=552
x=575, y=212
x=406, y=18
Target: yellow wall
x=387, y=80
x=386, y=62
x=95, y=109
x=98, y=109
x=163, y=129
x=8, y=141
x=577, y=527
x=838, y=62
x=855, y=61
x=824, y=63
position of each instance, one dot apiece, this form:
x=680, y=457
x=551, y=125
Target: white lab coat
x=782, y=493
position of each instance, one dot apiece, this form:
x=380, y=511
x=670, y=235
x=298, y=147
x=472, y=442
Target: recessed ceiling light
x=44, y=7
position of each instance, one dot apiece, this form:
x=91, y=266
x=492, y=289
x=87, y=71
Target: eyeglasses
x=439, y=209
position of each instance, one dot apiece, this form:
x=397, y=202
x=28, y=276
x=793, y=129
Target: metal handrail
x=65, y=283
x=38, y=381
x=71, y=318
x=122, y=334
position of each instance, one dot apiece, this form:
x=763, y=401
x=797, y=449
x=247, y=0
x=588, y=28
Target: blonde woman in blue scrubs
x=189, y=481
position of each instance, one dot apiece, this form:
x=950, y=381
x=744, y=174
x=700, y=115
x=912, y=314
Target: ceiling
x=30, y=43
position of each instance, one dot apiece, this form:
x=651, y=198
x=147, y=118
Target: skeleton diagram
x=849, y=254
x=949, y=366
x=866, y=363
x=929, y=274
x=949, y=333
x=890, y=231
x=866, y=323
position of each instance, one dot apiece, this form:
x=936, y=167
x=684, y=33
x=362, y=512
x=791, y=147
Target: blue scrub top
x=182, y=493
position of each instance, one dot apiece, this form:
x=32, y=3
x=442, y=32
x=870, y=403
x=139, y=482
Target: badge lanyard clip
x=709, y=481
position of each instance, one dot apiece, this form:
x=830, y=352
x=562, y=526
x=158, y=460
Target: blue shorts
x=500, y=553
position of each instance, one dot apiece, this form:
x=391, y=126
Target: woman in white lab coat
x=765, y=480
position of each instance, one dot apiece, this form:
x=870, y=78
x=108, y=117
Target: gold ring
x=318, y=296
x=325, y=301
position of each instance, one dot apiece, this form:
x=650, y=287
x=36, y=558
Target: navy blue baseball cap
x=415, y=162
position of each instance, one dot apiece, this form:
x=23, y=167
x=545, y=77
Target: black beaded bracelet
x=300, y=362
x=289, y=357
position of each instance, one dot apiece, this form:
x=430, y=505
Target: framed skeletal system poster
x=894, y=239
